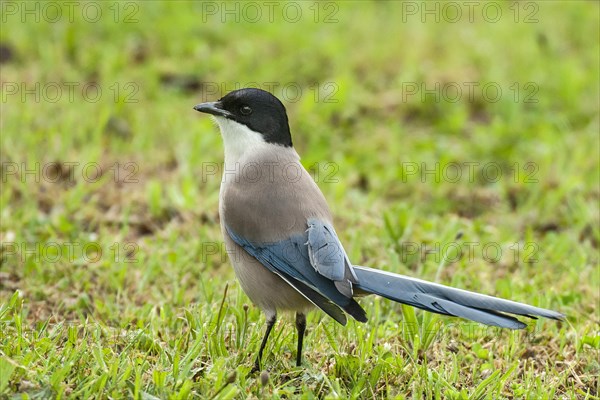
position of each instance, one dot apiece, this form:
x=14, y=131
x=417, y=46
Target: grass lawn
x=455, y=142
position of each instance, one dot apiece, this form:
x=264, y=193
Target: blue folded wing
x=290, y=259
x=325, y=251
x=328, y=257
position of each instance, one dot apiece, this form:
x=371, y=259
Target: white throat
x=243, y=145
x=238, y=139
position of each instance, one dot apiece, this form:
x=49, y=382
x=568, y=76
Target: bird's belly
x=264, y=288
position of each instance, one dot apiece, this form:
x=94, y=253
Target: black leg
x=301, y=326
x=270, y=322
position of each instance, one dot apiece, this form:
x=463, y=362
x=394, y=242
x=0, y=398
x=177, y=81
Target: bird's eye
x=245, y=110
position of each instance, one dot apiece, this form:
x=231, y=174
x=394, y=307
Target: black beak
x=213, y=108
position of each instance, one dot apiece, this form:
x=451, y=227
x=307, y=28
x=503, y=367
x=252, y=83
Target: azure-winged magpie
x=279, y=233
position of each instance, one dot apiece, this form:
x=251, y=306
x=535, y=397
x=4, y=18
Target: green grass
x=119, y=287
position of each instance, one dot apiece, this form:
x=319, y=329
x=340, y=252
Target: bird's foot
x=255, y=369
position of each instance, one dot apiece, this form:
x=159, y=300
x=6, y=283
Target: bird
x=279, y=235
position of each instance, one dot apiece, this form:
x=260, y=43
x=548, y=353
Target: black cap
x=258, y=109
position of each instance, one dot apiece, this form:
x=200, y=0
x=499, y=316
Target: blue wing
x=290, y=260
x=328, y=257
x=325, y=253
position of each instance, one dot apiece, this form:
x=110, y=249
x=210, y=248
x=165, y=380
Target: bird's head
x=255, y=110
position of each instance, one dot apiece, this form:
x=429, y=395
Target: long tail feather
x=446, y=300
